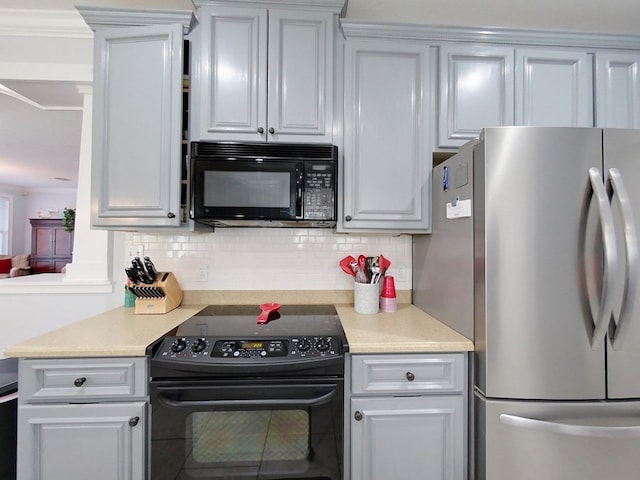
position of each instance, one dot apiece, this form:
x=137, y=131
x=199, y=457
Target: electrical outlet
x=401, y=273
x=203, y=272
x=135, y=251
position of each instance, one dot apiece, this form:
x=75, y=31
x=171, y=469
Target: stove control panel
x=185, y=348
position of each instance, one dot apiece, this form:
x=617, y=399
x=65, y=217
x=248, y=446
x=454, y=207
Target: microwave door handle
x=280, y=402
x=299, y=202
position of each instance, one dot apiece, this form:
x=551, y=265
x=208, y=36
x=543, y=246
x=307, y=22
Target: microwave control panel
x=320, y=187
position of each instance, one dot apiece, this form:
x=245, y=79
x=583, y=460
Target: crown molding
x=98, y=17
x=337, y=6
x=43, y=23
x=497, y=35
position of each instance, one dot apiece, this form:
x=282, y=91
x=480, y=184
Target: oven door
x=246, y=189
x=258, y=429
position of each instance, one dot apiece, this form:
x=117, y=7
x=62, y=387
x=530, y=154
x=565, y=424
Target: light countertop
x=408, y=330
x=119, y=332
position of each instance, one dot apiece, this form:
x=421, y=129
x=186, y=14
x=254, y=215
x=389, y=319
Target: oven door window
x=249, y=437
x=226, y=432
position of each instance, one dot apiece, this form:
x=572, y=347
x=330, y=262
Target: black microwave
x=263, y=184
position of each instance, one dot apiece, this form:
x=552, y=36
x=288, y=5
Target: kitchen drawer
x=82, y=379
x=408, y=374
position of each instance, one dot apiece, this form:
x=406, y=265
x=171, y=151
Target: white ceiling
x=40, y=118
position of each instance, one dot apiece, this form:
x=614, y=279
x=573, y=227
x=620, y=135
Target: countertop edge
x=409, y=330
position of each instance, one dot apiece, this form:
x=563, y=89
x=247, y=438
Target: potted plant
x=69, y=219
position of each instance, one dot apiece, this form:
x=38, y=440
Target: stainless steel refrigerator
x=534, y=256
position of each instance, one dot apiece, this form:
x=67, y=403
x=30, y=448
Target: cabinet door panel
x=618, y=90
x=408, y=437
x=300, y=76
x=554, y=88
x=387, y=165
x=94, y=441
x=137, y=126
x=476, y=91
x=233, y=74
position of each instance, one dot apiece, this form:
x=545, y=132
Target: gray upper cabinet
x=476, y=91
x=617, y=90
x=137, y=127
x=554, y=87
x=264, y=74
x=387, y=152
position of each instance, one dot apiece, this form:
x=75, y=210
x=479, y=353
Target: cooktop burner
x=228, y=338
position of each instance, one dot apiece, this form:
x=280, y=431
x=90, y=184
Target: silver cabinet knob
x=272, y=131
x=347, y=218
x=410, y=376
x=358, y=416
x=171, y=215
x=260, y=130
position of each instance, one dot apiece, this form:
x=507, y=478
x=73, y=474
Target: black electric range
x=226, y=340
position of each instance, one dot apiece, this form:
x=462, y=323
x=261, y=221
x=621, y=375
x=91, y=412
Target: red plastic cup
x=388, y=287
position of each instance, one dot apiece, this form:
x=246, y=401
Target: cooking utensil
x=346, y=264
x=132, y=275
x=267, y=309
x=151, y=269
x=385, y=263
x=140, y=271
x=361, y=274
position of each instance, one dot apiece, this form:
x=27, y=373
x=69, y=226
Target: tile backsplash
x=269, y=259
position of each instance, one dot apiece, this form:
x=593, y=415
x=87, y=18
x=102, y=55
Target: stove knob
x=323, y=344
x=304, y=344
x=179, y=345
x=199, y=345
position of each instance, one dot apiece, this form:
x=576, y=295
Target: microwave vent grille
x=263, y=150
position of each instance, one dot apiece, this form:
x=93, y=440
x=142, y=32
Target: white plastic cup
x=366, y=297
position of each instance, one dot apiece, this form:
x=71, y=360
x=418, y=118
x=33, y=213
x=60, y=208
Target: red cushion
x=5, y=265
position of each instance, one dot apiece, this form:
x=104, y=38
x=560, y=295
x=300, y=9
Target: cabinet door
x=137, y=127
x=617, y=90
x=408, y=437
x=387, y=154
x=97, y=441
x=554, y=88
x=300, y=77
x=476, y=91
x=230, y=87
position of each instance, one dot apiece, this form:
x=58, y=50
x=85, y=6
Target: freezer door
x=557, y=441
x=622, y=173
x=533, y=315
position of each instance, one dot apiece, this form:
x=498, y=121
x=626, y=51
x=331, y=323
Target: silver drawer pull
x=78, y=382
x=410, y=376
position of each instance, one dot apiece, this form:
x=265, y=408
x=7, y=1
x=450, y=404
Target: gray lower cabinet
x=408, y=417
x=82, y=418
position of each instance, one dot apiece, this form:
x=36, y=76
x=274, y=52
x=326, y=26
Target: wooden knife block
x=172, y=299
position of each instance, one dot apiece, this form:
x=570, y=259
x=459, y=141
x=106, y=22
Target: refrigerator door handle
x=610, y=257
x=616, y=186
x=559, y=428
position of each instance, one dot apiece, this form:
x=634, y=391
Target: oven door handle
x=279, y=402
